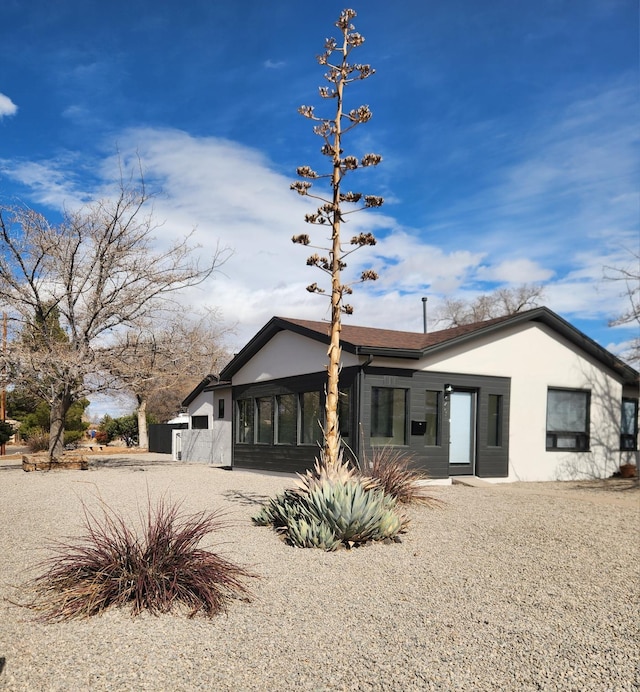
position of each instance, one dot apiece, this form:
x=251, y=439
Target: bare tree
x=161, y=362
x=504, y=301
x=629, y=276
x=337, y=203
x=90, y=277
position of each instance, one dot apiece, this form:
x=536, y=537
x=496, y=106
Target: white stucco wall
x=202, y=405
x=213, y=445
x=536, y=358
x=285, y=355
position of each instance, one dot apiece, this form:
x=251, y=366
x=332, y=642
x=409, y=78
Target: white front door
x=462, y=436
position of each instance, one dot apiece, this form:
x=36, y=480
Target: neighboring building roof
x=180, y=418
x=209, y=383
x=414, y=345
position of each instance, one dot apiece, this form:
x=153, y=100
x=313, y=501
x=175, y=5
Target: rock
x=41, y=462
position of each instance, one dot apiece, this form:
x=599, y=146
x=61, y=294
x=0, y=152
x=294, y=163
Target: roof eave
x=382, y=352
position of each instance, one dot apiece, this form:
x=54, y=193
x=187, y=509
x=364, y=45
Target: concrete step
x=471, y=481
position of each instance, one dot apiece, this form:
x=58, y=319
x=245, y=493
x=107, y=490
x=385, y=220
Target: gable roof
x=209, y=383
x=369, y=341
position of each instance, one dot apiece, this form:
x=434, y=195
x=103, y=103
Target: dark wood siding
x=490, y=461
x=288, y=458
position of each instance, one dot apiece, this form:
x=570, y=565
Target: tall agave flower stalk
x=337, y=203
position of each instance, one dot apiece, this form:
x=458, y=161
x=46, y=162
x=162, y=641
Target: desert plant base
x=628, y=471
x=42, y=462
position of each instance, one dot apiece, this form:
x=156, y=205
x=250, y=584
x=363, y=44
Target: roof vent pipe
x=424, y=314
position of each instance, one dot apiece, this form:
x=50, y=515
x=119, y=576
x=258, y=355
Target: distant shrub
x=38, y=440
x=102, y=438
x=111, y=565
x=72, y=437
x=6, y=431
x=125, y=428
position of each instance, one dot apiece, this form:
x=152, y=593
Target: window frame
x=258, y=425
x=438, y=417
x=389, y=440
x=200, y=419
x=245, y=406
x=582, y=440
x=494, y=421
x=629, y=440
x=315, y=424
x=277, y=420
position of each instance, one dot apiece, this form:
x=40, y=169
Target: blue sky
x=508, y=130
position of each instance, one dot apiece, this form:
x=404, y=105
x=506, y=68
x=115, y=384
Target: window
x=568, y=420
x=388, y=416
x=629, y=425
x=287, y=419
x=344, y=414
x=432, y=418
x=220, y=408
x=245, y=421
x=264, y=407
x=310, y=418
x=199, y=422
x=494, y=421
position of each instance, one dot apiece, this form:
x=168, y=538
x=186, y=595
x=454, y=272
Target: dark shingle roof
x=413, y=345
x=370, y=337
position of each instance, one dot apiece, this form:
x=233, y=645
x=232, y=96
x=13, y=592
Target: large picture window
x=310, y=418
x=568, y=420
x=287, y=420
x=629, y=425
x=388, y=416
x=264, y=407
x=245, y=422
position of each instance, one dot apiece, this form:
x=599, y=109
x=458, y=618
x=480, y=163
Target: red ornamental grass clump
x=394, y=473
x=111, y=565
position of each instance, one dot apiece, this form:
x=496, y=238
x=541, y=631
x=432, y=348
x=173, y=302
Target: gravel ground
x=511, y=587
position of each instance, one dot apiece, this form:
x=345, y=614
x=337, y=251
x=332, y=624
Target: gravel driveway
x=511, y=587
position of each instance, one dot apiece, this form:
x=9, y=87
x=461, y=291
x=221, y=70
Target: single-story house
x=524, y=397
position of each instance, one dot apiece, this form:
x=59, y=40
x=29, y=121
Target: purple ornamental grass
x=111, y=565
x=393, y=471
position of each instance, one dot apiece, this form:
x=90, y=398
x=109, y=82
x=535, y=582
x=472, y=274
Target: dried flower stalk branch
x=332, y=210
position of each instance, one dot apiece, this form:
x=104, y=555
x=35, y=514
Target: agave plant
x=332, y=506
x=341, y=472
x=355, y=512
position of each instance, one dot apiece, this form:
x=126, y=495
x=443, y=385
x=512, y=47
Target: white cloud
x=274, y=64
x=233, y=195
x=7, y=106
x=50, y=183
x=515, y=271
